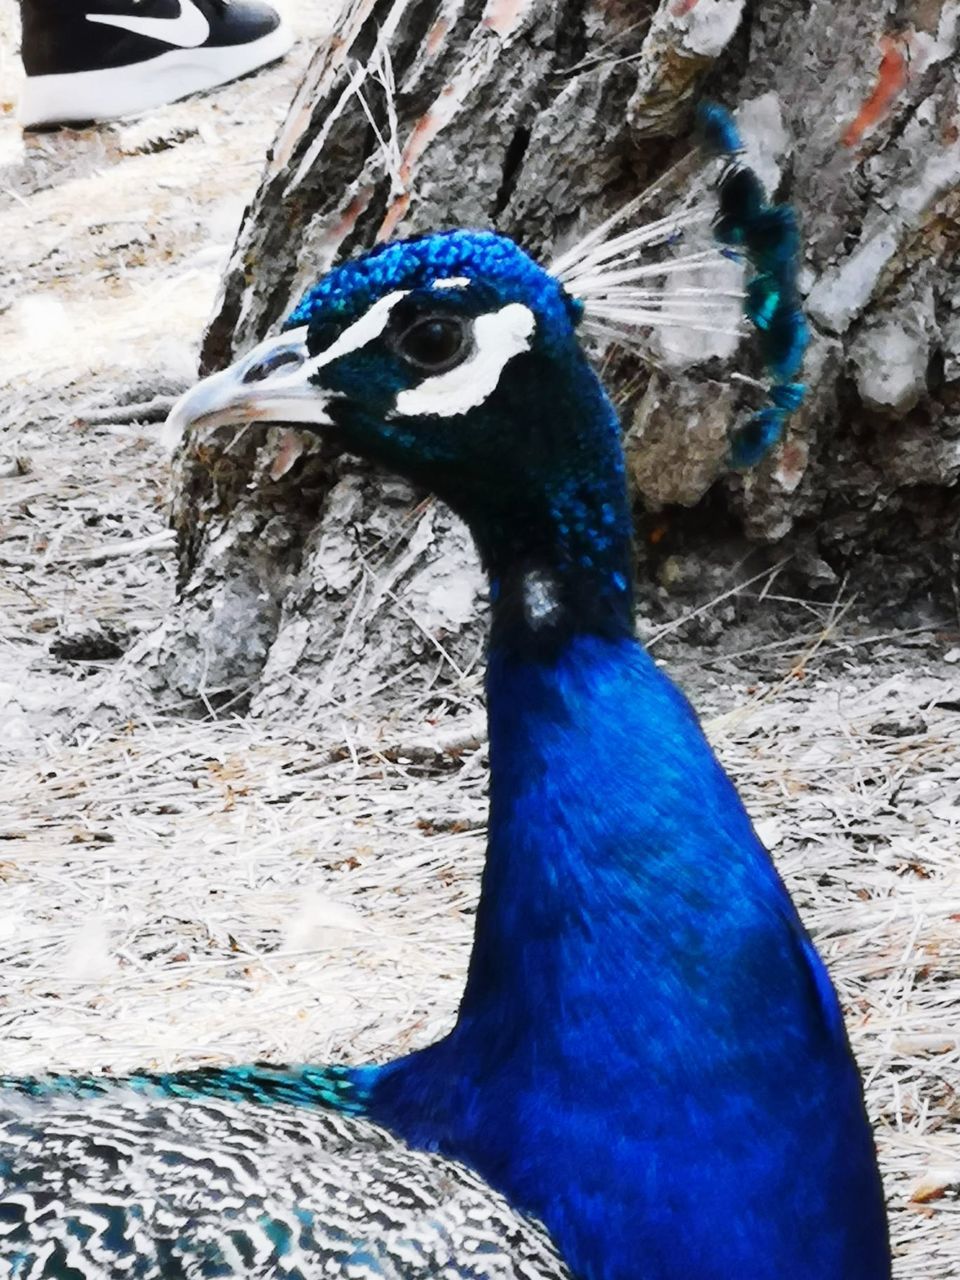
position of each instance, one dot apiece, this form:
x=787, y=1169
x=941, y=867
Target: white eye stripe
x=497, y=339
x=453, y=282
x=363, y=331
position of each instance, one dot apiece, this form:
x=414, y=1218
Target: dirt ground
x=183, y=892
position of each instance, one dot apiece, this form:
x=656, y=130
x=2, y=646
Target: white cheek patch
x=370, y=326
x=497, y=339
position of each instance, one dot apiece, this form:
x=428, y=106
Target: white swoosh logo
x=188, y=30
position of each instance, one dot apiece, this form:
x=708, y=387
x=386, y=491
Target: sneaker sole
x=123, y=91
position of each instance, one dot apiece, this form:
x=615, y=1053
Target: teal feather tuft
x=751, y=442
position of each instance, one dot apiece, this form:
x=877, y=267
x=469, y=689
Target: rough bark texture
x=308, y=579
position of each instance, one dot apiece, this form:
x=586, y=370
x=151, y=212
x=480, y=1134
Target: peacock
x=649, y=1076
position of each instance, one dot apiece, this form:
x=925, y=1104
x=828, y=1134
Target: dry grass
x=177, y=892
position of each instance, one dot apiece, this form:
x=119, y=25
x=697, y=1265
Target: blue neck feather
x=649, y=1055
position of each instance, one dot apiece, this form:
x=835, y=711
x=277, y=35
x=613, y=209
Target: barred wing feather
x=155, y=1188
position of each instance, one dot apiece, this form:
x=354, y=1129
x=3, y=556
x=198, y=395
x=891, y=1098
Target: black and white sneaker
x=101, y=59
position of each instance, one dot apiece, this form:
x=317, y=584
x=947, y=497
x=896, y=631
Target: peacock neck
x=576, y=582
x=575, y=802
x=555, y=533
x=604, y=797
x=640, y=992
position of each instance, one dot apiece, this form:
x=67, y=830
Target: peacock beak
x=271, y=383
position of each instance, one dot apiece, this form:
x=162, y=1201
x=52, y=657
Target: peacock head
x=452, y=358
x=455, y=360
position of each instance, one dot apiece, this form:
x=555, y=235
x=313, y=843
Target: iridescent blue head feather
x=497, y=269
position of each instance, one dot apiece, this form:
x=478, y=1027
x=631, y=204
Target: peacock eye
x=434, y=343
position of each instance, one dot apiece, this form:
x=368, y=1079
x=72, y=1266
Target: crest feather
x=722, y=265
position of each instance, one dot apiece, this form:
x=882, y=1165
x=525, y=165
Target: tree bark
x=308, y=580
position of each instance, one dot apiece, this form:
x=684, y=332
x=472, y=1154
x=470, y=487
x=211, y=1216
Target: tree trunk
x=309, y=580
